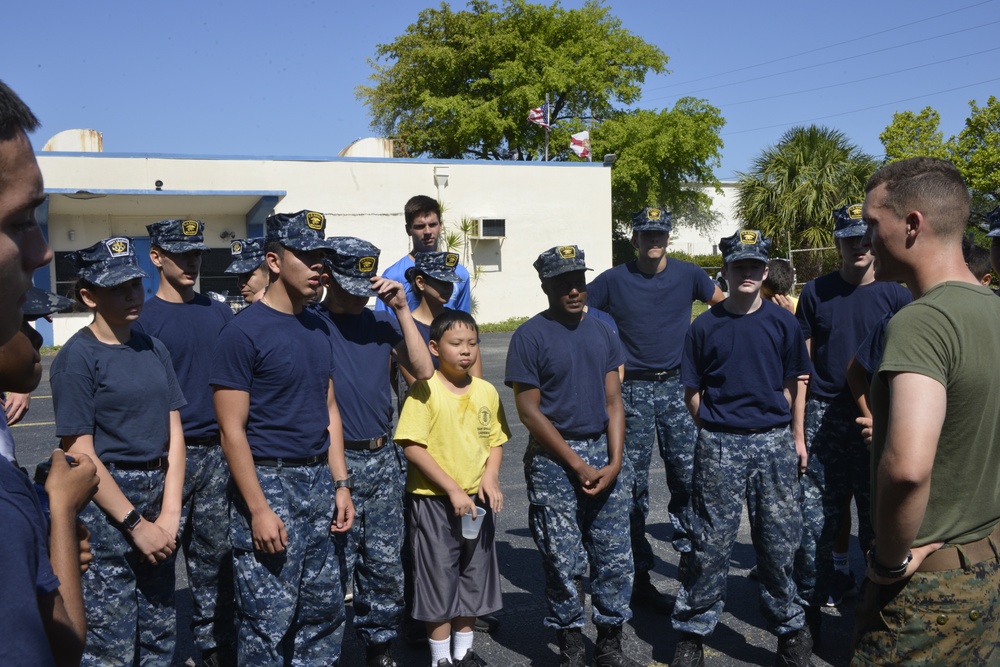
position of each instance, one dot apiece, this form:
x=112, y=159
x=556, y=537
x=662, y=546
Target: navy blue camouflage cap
x=993, y=217
x=352, y=263
x=178, y=235
x=652, y=219
x=305, y=230
x=745, y=244
x=107, y=263
x=439, y=265
x=559, y=260
x=849, y=222
x=247, y=255
x=40, y=303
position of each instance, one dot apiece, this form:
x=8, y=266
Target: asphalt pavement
x=522, y=639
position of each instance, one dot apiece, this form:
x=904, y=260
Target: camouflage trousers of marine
x=370, y=554
x=657, y=410
x=566, y=523
x=207, y=554
x=290, y=610
x=761, y=468
x=129, y=603
x=937, y=619
x=839, y=464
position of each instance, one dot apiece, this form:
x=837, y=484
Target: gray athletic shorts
x=452, y=576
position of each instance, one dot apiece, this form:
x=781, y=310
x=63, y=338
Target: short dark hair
x=418, y=206
x=780, y=276
x=450, y=319
x=977, y=258
x=15, y=116
x=931, y=185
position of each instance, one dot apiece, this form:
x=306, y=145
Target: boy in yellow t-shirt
x=451, y=429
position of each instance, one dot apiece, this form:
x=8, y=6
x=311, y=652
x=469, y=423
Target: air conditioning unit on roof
x=490, y=228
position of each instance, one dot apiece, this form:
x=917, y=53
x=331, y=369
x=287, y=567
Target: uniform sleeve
x=73, y=387
x=704, y=287
x=521, y=361
x=869, y=353
x=805, y=313
x=462, y=298
x=24, y=549
x=690, y=372
x=616, y=353
x=597, y=292
x=415, y=419
x=175, y=397
x=796, y=357
x=920, y=339
x=233, y=360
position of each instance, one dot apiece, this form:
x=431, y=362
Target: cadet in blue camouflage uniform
x=563, y=368
x=742, y=362
x=836, y=311
x=281, y=434
x=650, y=300
x=116, y=399
x=188, y=323
x=364, y=344
x=248, y=265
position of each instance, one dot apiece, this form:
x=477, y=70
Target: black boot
x=644, y=593
x=795, y=649
x=572, y=652
x=379, y=655
x=609, y=648
x=690, y=651
x=814, y=619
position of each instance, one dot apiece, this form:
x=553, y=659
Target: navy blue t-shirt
x=189, y=330
x=869, y=353
x=362, y=347
x=653, y=312
x=120, y=394
x=599, y=314
x=27, y=572
x=285, y=363
x=568, y=364
x=837, y=316
x=740, y=364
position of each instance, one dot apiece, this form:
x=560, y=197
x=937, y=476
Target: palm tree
x=795, y=185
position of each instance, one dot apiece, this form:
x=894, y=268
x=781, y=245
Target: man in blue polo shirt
x=650, y=300
x=188, y=324
x=281, y=434
x=423, y=224
x=364, y=343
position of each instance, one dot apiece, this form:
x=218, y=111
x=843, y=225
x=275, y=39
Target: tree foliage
x=794, y=186
x=912, y=135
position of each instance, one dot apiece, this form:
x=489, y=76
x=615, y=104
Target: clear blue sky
x=255, y=77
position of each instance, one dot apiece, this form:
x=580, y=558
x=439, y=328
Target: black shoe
x=842, y=587
x=645, y=594
x=795, y=649
x=690, y=651
x=414, y=632
x=752, y=574
x=609, y=648
x=572, y=652
x=379, y=655
x=471, y=660
x=444, y=662
x=814, y=620
x=486, y=623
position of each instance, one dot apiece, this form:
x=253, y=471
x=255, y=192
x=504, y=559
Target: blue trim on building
x=314, y=158
x=258, y=214
x=171, y=193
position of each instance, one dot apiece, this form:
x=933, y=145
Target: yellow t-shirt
x=458, y=431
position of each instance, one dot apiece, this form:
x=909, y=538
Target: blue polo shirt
x=461, y=296
x=652, y=311
x=285, y=363
x=189, y=331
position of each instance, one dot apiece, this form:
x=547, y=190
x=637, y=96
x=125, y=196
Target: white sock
x=461, y=644
x=841, y=562
x=440, y=650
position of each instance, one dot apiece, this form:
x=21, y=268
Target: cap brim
x=244, y=265
x=182, y=246
x=117, y=276
x=40, y=303
x=361, y=287
x=307, y=245
x=993, y=233
x=558, y=271
x=652, y=228
x=444, y=276
x=849, y=232
x=737, y=256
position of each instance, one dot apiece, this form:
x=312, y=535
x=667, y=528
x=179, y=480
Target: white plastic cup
x=472, y=521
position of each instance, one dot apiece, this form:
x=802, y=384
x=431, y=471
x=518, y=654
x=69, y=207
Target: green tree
x=977, y=152
x=911, y=135
x=794, y=186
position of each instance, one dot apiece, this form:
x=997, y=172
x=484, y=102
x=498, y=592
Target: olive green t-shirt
x=951, y=334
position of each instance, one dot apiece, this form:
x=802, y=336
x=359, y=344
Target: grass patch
x=697, y=308
x=502, y=327
x=49, y=350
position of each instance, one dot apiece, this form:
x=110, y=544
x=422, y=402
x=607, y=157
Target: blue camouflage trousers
x=207, y=554
x=370, y=554
x=129, y=603
x=566, y=523
x=839, y=464
x=656, y=409
x=290, y=610
x=938, y=619
x=761, y=468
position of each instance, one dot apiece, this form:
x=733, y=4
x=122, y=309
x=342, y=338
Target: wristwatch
x=131, y=520
x=889, y=572
x=343, y=483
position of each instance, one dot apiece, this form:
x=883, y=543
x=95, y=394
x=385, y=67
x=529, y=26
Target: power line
x=869, y=108
x=822, y=48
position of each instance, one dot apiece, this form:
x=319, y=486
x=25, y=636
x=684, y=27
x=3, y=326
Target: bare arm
x=795, y=389
x=717, y=296
x=692, y=399
x=411, y=352
x=16, y=406
x=154, y=543
x=917, y=406
x=344, y=519
x=489, y=486
x=857, y=380
x=418, y=456
x=232, y=408
x=173, y=484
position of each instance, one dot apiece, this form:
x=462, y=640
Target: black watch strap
x=131, y=520
x=889, y=572
x=343, y=483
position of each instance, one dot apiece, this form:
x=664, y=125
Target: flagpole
x=546, y=127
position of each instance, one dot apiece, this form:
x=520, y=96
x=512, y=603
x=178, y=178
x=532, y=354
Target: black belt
x=652, y=376
x=202, y=442
x=740, y=431
x=155, y=464
x=287, y=462
x=366, y=445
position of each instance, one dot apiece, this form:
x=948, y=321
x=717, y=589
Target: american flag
x=539, y=115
